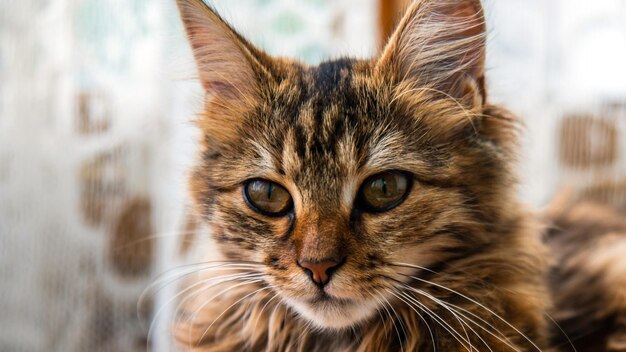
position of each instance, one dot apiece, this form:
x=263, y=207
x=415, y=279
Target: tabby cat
x=370, y=205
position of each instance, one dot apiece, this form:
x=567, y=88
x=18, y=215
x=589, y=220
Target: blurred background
x=96, y=98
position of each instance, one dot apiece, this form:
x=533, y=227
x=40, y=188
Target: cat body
x=361, y=205
x=588, y=277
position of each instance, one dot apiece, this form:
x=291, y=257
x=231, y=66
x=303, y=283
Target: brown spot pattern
x=131, y=249
x=588, y=142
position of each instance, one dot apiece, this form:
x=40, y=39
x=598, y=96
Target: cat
x=365, y=205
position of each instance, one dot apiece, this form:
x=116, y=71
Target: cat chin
x=334, y=315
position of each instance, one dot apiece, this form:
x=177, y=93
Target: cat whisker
x=569, y=340
x=151, y=287
x=247, y=281
x=462, y=340
x=208, y=301
x=212, y=264
x=232, y=305
x=436, y=318
x=384, y=306
x=458, y=315
x=442, y=322
x=378, y=306
x=502, y=339
x=400, y=321
x=430, y=331
x=250, y=308
x=191, y=269
x=478, y=304
x=508, y=343
x=457, y=308
x=263, y=308
x=273, y=316
x=154, y=236
x=460, y=322
x=198, y=291
x=208, y=284
x=166, y=281
x=412, y=266
x=220, y=280
x=463, y=322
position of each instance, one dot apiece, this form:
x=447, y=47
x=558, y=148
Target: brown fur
x=457, y=266
x=588, y=279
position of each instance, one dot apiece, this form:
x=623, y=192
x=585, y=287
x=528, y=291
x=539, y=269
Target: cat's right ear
x=228, y=66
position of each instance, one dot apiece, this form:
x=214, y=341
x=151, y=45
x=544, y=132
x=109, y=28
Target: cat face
x=341, y=177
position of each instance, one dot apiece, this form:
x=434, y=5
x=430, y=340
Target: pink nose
x=320, y=272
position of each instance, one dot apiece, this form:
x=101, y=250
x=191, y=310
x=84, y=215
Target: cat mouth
x=324, y=298
x=331, y=312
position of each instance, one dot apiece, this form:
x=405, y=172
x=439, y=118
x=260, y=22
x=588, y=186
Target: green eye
x=384, y=191
x=267, y=197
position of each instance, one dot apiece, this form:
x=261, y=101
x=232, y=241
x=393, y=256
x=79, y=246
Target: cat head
x=342, y=176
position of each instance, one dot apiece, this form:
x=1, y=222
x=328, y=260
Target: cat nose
x=320, y=271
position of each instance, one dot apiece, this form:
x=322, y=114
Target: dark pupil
x=270, y=188
x=384, y=185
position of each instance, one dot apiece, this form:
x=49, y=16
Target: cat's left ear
x=440, y=44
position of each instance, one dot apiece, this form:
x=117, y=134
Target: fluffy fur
x=458, y=266
x=588, y=278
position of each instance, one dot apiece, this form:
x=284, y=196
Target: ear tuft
x=228, y=67
x=225, y=62
x=440, y=44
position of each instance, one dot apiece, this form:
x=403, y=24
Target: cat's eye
x=384, y=191
x=267, y=197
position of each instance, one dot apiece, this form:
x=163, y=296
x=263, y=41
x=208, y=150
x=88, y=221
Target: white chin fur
x=329, y=315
